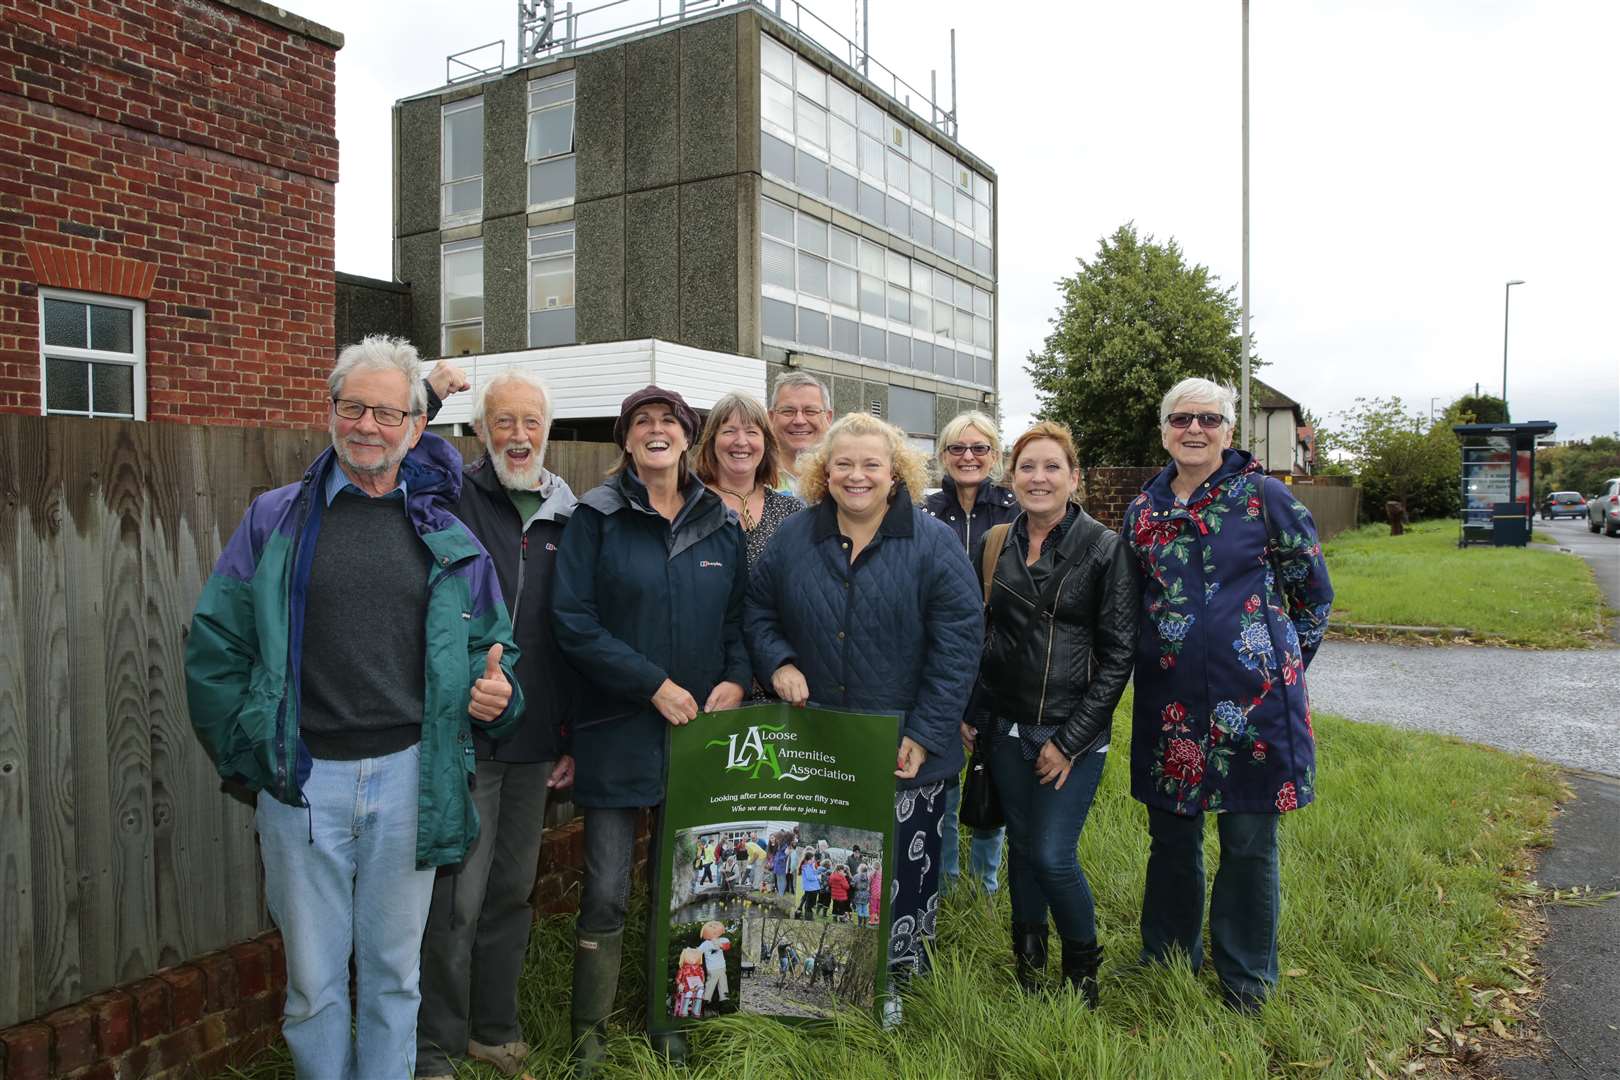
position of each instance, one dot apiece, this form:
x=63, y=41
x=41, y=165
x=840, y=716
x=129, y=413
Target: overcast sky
x=1407, y=159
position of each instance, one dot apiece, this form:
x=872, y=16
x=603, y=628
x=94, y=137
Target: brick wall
x=1109, y=490
x=180, y=153
x=222, y=1008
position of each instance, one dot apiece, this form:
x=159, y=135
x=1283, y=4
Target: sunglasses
x=1181, y=421
x=977, y=449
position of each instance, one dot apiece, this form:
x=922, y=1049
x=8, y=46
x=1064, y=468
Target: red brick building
x=166, y=210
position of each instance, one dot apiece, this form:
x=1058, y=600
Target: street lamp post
x=1507, y=297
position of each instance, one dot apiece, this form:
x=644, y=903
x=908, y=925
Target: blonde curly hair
x=908, y=464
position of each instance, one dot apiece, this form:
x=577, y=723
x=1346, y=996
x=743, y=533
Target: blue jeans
x=984, y=857
x=1243, y=909
x=341, y=877
x=1043, y=830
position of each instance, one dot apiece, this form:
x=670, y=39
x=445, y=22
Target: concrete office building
x=703, y=202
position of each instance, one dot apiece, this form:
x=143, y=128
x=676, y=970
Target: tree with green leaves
x=1400, y=456
x=1479, y=409
x=1134, y=321
x=1578, y=466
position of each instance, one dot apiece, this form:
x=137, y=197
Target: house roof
x=1266, y=396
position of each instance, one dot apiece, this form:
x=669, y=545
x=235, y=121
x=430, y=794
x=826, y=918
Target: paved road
x=1602, y=554
x=1563, y=706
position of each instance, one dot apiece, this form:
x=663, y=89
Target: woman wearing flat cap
x=648, y=609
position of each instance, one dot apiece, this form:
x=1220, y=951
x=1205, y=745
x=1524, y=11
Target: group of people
x=513, y=640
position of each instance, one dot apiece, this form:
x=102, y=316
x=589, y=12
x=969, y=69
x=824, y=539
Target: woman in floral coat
x=1235, y=600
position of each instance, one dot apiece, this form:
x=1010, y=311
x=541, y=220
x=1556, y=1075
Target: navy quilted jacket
x=900, y=630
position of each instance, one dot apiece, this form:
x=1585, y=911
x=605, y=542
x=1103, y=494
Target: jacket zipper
x=1051, y=632
x=523, y=565
x=284, y=763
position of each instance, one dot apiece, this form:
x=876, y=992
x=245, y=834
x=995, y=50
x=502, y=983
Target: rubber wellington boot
x=1029, y=953
x=1081, y=959
x=596, y=981
x=669, y=1045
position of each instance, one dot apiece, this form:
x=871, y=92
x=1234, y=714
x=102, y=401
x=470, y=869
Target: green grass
x=1517, y=596
x=1395, y=890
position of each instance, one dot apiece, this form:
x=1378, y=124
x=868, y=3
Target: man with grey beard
x=478, y=929
x=350, y=637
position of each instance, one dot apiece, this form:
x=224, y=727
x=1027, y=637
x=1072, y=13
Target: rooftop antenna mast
x=945, y=121
x=537, y=27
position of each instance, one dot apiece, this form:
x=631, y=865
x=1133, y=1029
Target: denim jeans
x=478, y=927
x=984, y=854
x=341, y=877
x=1244, y=907
x=610, y=852
x=1043, y=830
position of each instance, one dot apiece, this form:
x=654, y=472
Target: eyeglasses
x=978, y=449
x=809, y=412
x=1181, y=421
x=354, y=410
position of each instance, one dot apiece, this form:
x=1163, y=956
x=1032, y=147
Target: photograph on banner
x=791, y=904
x=779, y=823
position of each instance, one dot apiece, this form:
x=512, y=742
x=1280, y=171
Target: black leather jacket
x=1062, y=657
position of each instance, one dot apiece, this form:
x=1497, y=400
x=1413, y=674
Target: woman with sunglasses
x=1235, y=600
x=971, y=503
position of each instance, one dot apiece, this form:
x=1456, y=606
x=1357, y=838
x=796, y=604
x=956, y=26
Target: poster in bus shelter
x=774, y=854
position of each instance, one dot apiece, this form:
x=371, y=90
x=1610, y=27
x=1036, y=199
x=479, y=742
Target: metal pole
x=1507, y=296
x=1248, y=426
x=866, y=36
x=954, y=125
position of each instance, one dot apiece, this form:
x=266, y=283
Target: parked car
x=1563, y=504
x=1603, y=509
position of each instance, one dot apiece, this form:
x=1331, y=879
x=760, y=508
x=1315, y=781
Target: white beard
x=528, y=478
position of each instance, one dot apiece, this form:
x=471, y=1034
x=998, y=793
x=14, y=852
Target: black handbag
x=981, y=805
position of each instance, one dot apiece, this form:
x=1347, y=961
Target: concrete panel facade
x=652, y=264
x=599, y=124
x=708, y=272
x=599, y=270
x=506, y=132
x=417, y=171
x=708, y=99
x=419, y=268
x=506, y=284
x=652, y=120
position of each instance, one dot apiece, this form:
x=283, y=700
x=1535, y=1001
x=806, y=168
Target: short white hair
x=1199, y=391
x=379, y=352
x=789, y=379
x=522, y=378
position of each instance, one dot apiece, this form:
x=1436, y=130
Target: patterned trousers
x=919, y=817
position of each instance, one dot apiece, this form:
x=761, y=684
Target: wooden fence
x=120, y=852
x=1334, y=507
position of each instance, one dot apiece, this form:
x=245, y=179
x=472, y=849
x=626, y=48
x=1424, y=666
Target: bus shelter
x=1498, y=481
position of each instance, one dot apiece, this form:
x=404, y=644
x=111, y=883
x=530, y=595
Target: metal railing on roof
x=543, y=33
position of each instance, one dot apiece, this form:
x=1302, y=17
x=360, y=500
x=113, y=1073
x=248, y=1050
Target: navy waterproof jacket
x=900, y=630
x=638, y=599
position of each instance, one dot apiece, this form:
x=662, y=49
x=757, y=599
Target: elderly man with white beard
x=478, y=928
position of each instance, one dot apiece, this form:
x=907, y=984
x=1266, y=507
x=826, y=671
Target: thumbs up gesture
x=491, y=691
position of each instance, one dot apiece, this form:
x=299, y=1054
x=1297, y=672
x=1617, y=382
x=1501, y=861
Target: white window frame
x=466, y=217
x=542, y=232
x=529, y=156
x=135, y=359
x=459, y=247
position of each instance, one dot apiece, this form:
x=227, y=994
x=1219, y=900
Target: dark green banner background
x=815, y=768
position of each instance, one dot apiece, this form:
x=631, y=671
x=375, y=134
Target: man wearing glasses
x=801, y=410
x=350, y=629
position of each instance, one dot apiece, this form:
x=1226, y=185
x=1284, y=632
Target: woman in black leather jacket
x=1060, y=644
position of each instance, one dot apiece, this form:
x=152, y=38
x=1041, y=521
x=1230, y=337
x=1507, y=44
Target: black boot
x=1081, y=959
x=1029, y=953
x=596, y=981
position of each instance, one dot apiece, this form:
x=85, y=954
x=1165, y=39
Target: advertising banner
x=773, y=854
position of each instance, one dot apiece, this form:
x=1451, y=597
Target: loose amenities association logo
x=757, y=749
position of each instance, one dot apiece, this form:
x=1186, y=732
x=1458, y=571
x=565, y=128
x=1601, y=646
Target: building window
x=827, y=289
x=551, y=286
x=92, y=358
x=461, y=298
x=462, y=162
x=912, y=411
x=830, y=143
x=551, y=141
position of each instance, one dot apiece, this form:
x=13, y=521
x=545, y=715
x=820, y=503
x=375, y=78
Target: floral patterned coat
x=1221, y=718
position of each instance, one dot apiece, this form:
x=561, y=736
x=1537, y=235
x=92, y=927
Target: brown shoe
x=508, y=1058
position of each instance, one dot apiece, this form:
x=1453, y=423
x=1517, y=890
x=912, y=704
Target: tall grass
x=1393, y=889
x=1518, y=596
